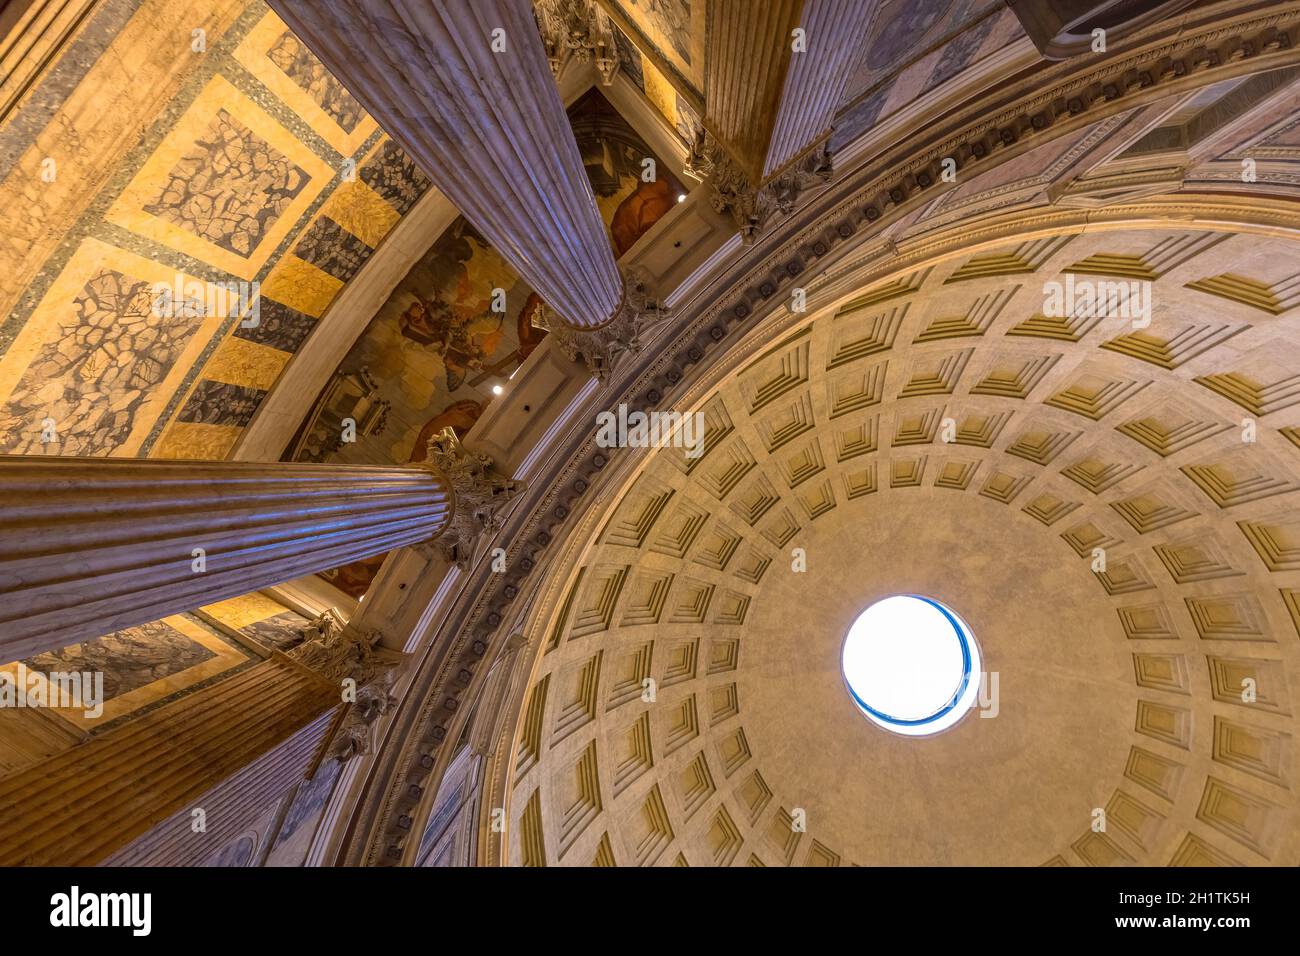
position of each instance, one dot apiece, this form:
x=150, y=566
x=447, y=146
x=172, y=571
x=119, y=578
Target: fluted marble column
x=231, y=749
x=748, y=56
x=465, y=88
x=835, y=32
x=93, y=545
x=768, y=104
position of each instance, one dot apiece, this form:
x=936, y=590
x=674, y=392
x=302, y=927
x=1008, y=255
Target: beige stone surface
x=933, y=432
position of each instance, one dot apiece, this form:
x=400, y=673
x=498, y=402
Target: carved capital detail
x=751, y=207
x=579, y=30
x=365, y=672
x=480, y=492
x=603, y=348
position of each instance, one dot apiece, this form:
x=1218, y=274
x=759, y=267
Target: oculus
x=911, y=665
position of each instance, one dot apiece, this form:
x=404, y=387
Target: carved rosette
x=365, y=672
x=479, y=490
x=603, y=348
x=753, y=208
x=580, y=30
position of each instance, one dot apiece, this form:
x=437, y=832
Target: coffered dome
x=1108, y=505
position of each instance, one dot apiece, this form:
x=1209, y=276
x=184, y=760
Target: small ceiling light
x=497, y=389
x=681, y=197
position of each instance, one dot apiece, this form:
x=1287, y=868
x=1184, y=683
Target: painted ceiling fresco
x=249, y=169
x=433, y=351
x=675, y=29
x=914, y=46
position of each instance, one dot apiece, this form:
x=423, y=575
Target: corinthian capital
x=365, y=672
x=751, y=207
x=480, y=492
x=577, y=29
x=603, y=348
x=336, y=650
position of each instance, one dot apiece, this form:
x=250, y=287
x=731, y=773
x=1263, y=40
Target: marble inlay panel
x=227, y=185
x=220, y=403
x=394, y=176
x=272, y=54
x=129, y=659
x=280, y=326
x=332, y=249
x=301, y=66
x=230, y=188
x=142, y=666
x=96, y=358
x=196, y=441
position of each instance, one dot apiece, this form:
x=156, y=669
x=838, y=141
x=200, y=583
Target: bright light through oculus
x=911, y=665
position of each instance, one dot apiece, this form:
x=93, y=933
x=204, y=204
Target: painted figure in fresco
x=673, y=18
x=460, y=415
x=431, y=322
x=449, y=295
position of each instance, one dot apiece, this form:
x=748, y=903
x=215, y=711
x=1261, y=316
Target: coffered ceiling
x=934, y=432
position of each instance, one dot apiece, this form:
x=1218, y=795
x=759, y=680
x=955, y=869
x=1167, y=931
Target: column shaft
x=464, y=87
x=749, y=50
x=92, y=545
x=835, y=32
x=82, y=805
x=768, y=102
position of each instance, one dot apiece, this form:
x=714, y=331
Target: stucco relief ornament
x=342, y=653
x=355, y=737
x=479, y=493
x=603, y=348
x=325, y=628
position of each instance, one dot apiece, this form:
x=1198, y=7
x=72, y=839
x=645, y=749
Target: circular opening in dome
x=911, y=665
